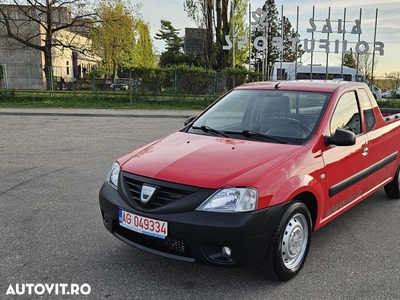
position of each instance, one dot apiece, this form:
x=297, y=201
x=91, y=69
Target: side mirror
x=341, y=137
x=189, y=120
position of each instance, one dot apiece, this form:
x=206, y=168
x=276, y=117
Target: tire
x=289, y=244
x=392, y=189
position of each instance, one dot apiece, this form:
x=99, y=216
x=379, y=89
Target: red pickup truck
x=250, y=178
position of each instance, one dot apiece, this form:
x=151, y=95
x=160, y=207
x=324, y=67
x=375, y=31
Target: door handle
x=365, y=151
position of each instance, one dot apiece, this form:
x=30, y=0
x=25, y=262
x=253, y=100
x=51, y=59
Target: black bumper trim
x=203, y=233
x=161, y=253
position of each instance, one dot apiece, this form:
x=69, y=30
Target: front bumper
x=197, y=236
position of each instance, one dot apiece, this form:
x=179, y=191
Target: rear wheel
x=392, y=189
x=289, y=244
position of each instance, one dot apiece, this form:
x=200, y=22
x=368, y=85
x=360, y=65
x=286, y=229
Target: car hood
x=205, y=161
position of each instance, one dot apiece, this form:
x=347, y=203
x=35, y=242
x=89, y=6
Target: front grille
x=169, y=245
x=165, y=193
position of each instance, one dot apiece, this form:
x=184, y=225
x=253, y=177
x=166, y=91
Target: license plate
x=143, y=225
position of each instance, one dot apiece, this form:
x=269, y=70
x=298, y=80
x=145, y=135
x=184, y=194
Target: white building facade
x=21, y=67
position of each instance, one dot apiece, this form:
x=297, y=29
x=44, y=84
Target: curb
x=99, y=113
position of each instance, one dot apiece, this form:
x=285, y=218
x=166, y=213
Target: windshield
x=269, y=115
x=121, y=81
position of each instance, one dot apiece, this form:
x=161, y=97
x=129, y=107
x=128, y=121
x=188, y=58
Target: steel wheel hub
x=294, y=241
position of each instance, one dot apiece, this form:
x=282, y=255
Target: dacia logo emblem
x=146, y=193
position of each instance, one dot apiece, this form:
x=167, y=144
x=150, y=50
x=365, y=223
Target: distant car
x=376, y=92
x=120, y=85
x=397, y=94
x=387, y=94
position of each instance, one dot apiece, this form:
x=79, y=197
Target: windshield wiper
x=254, y=134
x=212, y=130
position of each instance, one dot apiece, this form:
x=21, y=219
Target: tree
x=60, y=23
x=142, y=46
x=202, y=13
x=216, y=18
x=168, y=33
x=239, y=27
x=273, y=29
x=271, y=54
x=174, y=44
x=349, y=60
x=289, y=33
x=393, y=80
x=366, y=65
x=122, y=38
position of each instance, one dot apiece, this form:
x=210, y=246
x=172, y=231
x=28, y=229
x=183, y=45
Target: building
x=194, y=41
x=22, y=66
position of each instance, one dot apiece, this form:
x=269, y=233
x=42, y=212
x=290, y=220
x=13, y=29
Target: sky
x=387, y=25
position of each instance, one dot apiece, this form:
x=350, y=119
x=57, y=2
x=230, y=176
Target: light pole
x=233, y=33
x=233, y=40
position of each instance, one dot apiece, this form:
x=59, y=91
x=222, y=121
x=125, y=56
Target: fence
x=141, y=83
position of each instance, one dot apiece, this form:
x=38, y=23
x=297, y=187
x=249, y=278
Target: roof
x=325, y=86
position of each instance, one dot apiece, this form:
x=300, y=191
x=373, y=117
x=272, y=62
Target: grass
x=116, y=100
x=389, y=103
x=111, y=100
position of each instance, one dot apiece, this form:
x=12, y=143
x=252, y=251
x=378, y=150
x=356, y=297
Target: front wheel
x=289, y=243
x=392, y=189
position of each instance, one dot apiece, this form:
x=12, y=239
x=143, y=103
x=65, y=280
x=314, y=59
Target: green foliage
x=241, y=75
x=194, y=80
x=186, y=80
x=95, y=73
x=239, y=25
x=176, y=79
x=391, y=81
x=101, y=100
x=194, y=10
x=169, y=34
x=273, y=54
x=391, y=103
x=174, y=44
x=142, y=52
x=176, y=87
x=185, y=84
x=273, y=30
x=170, y=58
x=288, y=33
x=349, y=60
x=118, y=100
x=122, y=39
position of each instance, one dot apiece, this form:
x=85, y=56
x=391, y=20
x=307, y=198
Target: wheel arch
x=310, y=200
x=306, y=189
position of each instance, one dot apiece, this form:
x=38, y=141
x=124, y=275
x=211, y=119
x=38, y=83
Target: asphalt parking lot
x=52, y=167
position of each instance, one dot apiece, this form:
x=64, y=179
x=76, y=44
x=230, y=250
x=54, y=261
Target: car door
x=346, y=167
x=383, y=148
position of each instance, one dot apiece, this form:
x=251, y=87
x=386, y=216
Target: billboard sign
x=334, y=41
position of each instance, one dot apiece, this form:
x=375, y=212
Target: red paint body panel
x=330, y=179
x=206, y=161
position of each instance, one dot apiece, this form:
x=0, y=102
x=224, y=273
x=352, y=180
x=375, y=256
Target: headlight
x=231, y=199
x=112, y=177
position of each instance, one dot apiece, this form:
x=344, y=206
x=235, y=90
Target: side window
x=367, y=109
x=346, y=114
